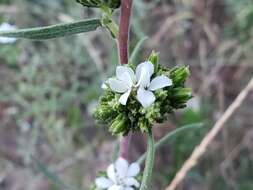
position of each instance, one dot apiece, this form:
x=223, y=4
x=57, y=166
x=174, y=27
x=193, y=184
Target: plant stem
x=124, y=146
x=126, y=6
x=125, y=15
x=147, y=174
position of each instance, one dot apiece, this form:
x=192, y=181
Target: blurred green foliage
x=242, y=14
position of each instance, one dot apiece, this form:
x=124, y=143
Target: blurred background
x=49, y=89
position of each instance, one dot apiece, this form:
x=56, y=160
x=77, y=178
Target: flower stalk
x=124, y=146
x=124, y=25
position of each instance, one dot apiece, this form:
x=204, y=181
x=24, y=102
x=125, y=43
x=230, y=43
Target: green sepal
x=180, y=96
x=179, y=75
x=119, y=125
x=153, y=58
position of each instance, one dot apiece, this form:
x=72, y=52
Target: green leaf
x=98, y=3
x=53, y=178
x=170, y=136
x=136, y=52
x=147, y=174
x=54, y=31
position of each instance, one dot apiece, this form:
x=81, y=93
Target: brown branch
x=201, y=149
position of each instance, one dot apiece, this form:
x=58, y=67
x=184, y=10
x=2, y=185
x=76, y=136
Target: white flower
x=144, y=72
x=7, y=27
x=123, y=83
x=126, y=79
x=120, y=176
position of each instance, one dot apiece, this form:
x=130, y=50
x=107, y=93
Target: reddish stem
x=124, y=25
x=124, y=146
x=125, y=15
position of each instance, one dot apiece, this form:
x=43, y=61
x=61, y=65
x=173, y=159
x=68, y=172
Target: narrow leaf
x=134, y=55
x=170, y=136
x=98, y=3
x=54, y=31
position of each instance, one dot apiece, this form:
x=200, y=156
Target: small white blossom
x=144, y=72
x=120, y=176
x=7, y=27
x=123, y=83
x=126, y=79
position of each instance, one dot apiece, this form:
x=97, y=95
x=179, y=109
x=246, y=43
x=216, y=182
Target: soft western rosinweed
x=136, y=98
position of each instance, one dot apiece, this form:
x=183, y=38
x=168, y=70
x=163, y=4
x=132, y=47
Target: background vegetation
x=48, y=91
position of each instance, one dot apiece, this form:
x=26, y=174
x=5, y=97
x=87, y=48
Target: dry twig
x=200, y=150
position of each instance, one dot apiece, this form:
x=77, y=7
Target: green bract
x=114, y=4
x=133, y=116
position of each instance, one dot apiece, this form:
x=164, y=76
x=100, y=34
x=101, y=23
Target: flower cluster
x=119, y=176
x=99, y=3
x=136, y=100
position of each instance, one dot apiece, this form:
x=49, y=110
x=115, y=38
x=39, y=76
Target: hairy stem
x=125, y=15
x=124, y=146
x=147, y=174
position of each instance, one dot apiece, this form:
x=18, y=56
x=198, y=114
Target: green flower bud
x=179, y=75
x=119, y=125
x=104, y=114
x=180, y=96
x=143, y=125
x=153, y=58
x=99, y=3
x=181, y=93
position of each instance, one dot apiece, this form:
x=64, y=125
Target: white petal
x=160, y=82
x=122, y=69
x=147, y=65
x=103, y=182
x=104, y=86
x=133, y=170
x=123, y=98
x=117, y=85
x=126, y=78
x=111, y=173
x=121, y=166
x=131, y=182
x=116, y=187
x=144, y=77
x=145, y=97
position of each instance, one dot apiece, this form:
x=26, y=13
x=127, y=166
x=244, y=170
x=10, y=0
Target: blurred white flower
x=7, y=27
x=126, y=79
x=120, y=176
